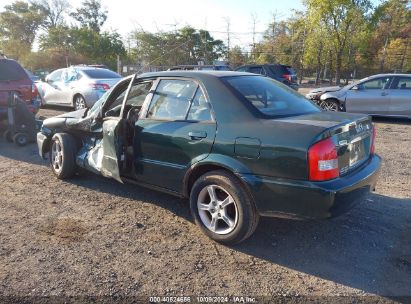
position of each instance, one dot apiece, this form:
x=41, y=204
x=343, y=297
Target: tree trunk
x=384, y=54
x=338, y=61
x=330, y=62
x=318, y=67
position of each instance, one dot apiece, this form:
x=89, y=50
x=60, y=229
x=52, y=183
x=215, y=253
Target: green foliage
x=18, y=25
x=186, y=46
x=90, y=15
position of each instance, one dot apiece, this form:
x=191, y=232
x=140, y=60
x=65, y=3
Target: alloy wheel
x=56, y=156
x=217, y=209
x=330, y=106
x=79, y=103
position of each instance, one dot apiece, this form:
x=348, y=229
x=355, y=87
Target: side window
x=172, y=99
x=199, y=110
x=55, y=76
x=376, y=84
x=255, y=70
x=115, y=101
x=404, y=83
x=138, y=94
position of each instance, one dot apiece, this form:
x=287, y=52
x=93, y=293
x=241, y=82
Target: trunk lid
x=351, y=133
x=110, y=81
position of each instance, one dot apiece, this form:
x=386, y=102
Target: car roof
x=202, y=74
x=389, y=74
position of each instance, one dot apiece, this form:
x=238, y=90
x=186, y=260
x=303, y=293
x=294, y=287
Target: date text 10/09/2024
x=202, y=299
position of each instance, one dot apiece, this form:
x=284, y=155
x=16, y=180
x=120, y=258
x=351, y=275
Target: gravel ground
x=92, y=236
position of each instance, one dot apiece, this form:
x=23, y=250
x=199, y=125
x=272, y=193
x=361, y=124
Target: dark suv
x=279, y=72
x=200, y=68
x=13, y=78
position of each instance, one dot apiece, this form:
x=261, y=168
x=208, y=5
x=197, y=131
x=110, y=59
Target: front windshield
x=271, y=98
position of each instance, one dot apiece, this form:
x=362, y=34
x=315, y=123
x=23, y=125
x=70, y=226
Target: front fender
x=332, y=95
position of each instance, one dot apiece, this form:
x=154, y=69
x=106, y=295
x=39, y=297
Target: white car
x=77, y=86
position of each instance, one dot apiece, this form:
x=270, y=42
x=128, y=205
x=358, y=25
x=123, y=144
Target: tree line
x=332, y=40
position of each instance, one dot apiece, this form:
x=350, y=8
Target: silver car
x=380, y=95
x=78, y=86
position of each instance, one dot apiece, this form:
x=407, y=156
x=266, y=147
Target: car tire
x=7, y=136
x=79, y=102
x=20, y=139
x=229, y=218
x=62, y=155
x=331, y=105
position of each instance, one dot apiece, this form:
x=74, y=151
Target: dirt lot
x=92, y=236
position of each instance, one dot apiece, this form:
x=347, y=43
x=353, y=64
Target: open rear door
x=113, y=147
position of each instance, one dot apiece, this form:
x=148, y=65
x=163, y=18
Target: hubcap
x=217, y=209
x=21, y=140
x=331, y=106
x=80, y=103
x=56, y=156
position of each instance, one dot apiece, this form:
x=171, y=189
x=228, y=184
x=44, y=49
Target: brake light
x=323, y=161
x=374, y=134
x=100, y=86
x=288, y=77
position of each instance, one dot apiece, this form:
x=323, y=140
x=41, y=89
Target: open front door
x=112, y=147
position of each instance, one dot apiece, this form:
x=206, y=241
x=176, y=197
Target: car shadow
x=391, y=120
x=368, y=248
x=27, y=154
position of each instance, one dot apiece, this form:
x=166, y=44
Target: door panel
x=178, y=130
x=371, y=97
x=368, y=101
x=164, y=150
x=400, y=103
x=112, y=147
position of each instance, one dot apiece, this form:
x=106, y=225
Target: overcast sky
x=166, y=15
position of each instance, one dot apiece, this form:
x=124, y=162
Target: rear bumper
x=316, y=200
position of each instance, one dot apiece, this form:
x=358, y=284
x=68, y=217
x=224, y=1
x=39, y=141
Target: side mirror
x=49, y=81
x=355, y=88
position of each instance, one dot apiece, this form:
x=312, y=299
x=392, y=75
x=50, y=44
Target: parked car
x=381, y=95
x=13, y=78
x=78, y=86
x=282, y=73
x=200, y=68
x=238, y=145
x=33, y=77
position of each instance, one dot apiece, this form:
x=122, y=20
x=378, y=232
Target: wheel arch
x=230, y=166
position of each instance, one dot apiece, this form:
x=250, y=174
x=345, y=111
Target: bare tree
x=53, y=11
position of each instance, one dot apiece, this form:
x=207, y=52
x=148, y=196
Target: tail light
x=100, y=86
x=323, y=161
x=374, y=133
x=288, y=77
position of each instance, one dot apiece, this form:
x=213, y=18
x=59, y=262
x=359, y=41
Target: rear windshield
x=11, y=70
x=101, y=74
x=269, y=97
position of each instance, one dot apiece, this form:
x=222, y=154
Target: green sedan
x=237, y=145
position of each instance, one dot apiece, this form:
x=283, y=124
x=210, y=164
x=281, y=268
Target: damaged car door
x=112, y=143
x=176, y=130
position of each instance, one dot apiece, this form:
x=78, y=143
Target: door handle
x=197, y=135
x=384, y=93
